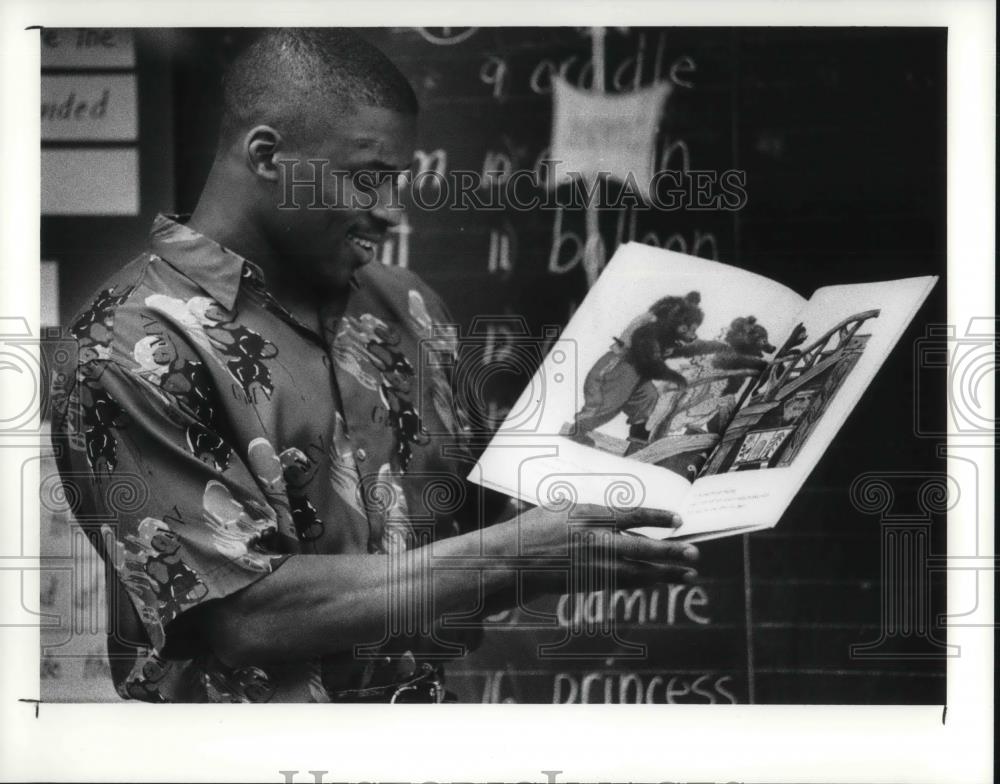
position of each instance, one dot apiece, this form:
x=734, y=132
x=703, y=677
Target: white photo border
x=112, y=742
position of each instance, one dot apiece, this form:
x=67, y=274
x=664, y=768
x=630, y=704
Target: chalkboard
x=841, y=134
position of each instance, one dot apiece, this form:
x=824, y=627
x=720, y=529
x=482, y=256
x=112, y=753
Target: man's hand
x=626, y=560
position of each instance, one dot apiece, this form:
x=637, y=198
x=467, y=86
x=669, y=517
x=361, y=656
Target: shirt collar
x=215, y=268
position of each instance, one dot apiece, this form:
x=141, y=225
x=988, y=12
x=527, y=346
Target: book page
x=633, y=397
x=794, y=411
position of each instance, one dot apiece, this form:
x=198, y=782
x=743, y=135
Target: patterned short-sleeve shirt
x=206, y=434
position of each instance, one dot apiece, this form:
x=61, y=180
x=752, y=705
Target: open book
x=696, y=387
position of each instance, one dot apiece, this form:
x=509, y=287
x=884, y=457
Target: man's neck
x=230, y=223
x=225, y=220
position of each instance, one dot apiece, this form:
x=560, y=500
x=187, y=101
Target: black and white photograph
x=546, y=362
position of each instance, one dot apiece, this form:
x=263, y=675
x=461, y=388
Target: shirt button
x=361, y=454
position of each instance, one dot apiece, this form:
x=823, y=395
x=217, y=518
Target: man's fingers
x=633, y=518
x=641, y=573
x=641, y=548
x=654, y=518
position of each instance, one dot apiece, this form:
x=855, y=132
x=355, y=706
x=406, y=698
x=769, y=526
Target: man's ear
x=260, y=145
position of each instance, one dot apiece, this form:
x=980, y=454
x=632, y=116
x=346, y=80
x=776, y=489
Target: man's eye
x=368, y=178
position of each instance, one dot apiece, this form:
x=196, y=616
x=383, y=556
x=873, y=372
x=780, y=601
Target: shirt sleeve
x=483, y=506
x=180, y=517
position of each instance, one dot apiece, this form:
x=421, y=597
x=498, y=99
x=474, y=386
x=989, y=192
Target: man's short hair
x=285, y=75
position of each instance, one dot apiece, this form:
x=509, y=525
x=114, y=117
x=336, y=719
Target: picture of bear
x=621, y=381
x=714, y=381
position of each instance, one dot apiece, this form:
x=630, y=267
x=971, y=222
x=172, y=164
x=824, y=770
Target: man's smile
x=364, y=243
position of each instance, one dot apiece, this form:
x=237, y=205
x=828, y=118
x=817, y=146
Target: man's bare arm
x=322, y=604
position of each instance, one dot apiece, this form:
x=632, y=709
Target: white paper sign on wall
x=49, y=290
x=89, y=108
x=90, y=182
x=92, y=47
x=609, y=134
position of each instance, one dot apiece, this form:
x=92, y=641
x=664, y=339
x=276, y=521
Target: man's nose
x=388, y=207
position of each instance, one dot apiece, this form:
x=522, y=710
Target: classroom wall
x=107, y=159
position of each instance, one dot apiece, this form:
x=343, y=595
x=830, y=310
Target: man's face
x=364, y=150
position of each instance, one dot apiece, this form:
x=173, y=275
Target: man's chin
x=325, y=277
x=339, y=280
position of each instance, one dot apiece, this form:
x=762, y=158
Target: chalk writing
x=676, y=147
x=494, y=73
x=670, y=605
x=446, y=36
x=493, y=691
x=628, y=74
x=500, y=259
x=396, y=247
x=429, y=170
x=631, y=688
x=567, y=249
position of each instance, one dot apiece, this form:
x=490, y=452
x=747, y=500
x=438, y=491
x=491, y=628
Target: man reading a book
x=248, y=439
